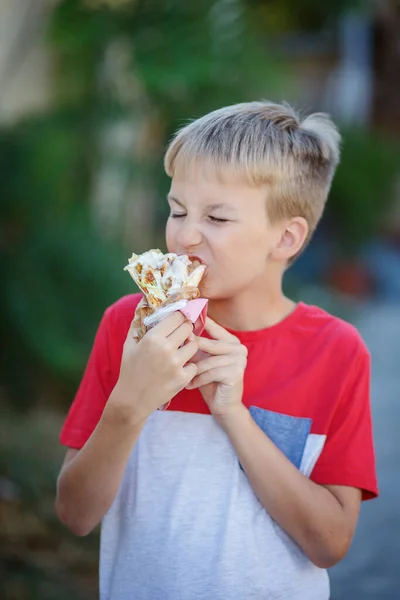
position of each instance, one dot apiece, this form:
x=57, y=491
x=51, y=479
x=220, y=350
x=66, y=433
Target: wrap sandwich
x=169, y=282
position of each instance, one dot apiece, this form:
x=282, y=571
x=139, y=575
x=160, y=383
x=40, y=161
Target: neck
x=252, y=310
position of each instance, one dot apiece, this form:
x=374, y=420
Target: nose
x=189, y=234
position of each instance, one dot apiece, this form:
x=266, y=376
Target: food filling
x=162, y=276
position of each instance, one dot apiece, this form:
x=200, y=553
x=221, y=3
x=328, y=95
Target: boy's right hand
x=154, y=370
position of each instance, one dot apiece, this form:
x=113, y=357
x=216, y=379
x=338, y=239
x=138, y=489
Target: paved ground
x=371, y=571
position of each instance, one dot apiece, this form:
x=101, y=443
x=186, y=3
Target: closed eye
x=216, y=220
x=211, y=218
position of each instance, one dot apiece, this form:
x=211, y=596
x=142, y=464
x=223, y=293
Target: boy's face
x=226, y=226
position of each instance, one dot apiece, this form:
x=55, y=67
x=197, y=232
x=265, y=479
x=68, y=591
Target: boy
x=249, y=485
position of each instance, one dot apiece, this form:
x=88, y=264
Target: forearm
x=308, y=512
x=88, y=484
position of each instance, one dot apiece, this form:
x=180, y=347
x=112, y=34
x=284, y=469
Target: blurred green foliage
x=57, y=274
x=363, y=188
x=282, y=16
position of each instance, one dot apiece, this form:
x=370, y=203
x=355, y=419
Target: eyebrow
x=214, y=206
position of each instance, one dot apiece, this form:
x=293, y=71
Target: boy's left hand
x=220, y=374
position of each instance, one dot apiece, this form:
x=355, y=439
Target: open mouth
x=194, y=258
x=198, y=262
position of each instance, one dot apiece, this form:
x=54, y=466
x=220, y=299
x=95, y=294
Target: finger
x=215, y=347
x=181, y=334
x=207, y=364
x=220, y=333
x=211, y=376
x=169, y=324
x=189, y=372
x=187, y=352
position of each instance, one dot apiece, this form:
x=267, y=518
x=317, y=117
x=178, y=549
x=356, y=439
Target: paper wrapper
x=146, y=318
x=194, y=310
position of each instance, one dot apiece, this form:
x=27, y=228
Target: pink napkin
x=196, y=312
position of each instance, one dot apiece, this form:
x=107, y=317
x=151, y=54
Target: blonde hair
x=268, y=145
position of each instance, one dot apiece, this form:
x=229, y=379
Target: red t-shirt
x=310, y=365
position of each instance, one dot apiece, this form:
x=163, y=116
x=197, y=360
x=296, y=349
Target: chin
x=211, y=292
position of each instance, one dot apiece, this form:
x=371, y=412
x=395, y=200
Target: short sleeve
x=348, y=457
x=93, y=392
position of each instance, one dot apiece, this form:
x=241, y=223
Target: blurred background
x=90, y=93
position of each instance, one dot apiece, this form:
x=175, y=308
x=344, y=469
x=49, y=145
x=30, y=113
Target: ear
x=291, y=240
